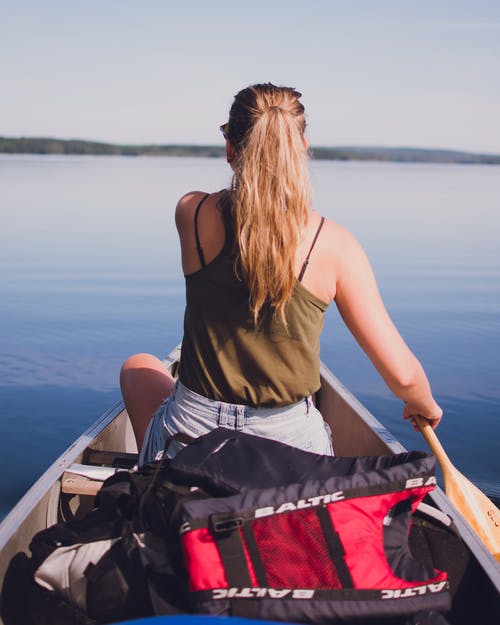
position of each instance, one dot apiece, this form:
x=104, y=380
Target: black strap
x=198, y=245
x=232, y=553
x=253, y=550
x=335, y=548
x=306, y=262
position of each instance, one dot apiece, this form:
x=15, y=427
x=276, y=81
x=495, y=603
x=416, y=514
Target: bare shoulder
x=339, y=239
x=330, y=259
x=346, y=256
x=334, y=229
x=184, y=211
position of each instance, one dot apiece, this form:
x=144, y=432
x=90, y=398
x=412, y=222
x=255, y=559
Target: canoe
x=67, y=489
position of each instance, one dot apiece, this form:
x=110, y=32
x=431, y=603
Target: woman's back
x=226, y=355
x=319, y=277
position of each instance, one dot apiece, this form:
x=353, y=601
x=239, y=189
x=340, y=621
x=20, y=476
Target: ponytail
x=271, y=193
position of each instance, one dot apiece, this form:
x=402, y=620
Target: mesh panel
x=294, y=552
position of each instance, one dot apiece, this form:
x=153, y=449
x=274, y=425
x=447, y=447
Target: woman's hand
x=433, y=417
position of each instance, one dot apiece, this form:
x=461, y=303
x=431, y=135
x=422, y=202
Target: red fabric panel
x=293, y=551
x=362, y=538
x=203, y=560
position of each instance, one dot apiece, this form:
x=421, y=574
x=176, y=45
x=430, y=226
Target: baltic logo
x=290, y=506
x=260, y=593
x=404, y=593
x=415, y=482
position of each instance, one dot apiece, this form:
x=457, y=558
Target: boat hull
x=357, y=433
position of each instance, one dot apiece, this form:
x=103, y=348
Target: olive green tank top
x=226, y=357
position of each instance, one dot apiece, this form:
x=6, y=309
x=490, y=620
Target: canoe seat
x=84, y=479
x=72, y=484
x=87, y=479
x=120, y=459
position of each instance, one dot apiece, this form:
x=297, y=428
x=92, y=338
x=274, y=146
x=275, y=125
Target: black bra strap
x=306, y=262
x=198, y=245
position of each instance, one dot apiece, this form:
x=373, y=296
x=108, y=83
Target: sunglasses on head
x=224, y=129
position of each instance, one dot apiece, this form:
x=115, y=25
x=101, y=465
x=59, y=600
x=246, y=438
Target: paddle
x=481, y=513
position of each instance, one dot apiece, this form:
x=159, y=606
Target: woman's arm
x=361, y=306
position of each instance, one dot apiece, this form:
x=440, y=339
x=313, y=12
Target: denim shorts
x=299, y=425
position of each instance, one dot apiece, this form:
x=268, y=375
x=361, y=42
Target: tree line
x=44, y=145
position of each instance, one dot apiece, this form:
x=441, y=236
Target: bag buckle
x=225, y=522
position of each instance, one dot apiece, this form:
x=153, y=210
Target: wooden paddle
x=481, y=513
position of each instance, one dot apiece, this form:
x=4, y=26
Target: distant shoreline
x=43, y=145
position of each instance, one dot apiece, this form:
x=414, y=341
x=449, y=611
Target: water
x=90, y=273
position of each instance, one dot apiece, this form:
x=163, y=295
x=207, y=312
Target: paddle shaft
x=433, y=442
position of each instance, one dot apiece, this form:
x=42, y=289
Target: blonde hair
x=271, y=192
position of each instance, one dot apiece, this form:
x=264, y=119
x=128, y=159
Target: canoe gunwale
x=48, y=484
x=51, y=476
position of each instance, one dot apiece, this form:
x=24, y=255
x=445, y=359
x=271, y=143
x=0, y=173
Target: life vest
x=314, y=551
x=242, y=526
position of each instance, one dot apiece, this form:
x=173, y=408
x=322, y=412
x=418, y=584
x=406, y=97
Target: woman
x=261, y=267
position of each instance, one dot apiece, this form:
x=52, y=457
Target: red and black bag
x=327, y=549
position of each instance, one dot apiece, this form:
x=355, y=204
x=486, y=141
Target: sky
x=372, y=72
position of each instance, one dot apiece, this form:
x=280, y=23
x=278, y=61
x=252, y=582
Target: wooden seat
x=72, y=484
x=87, y=479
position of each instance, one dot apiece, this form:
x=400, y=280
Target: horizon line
x=221, y=145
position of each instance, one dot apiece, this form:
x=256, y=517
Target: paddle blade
x=479, y=511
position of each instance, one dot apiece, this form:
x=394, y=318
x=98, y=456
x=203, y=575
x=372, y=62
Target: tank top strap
x=197, y=237
x=306, y=262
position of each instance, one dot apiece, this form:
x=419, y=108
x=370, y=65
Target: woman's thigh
x=145, y=384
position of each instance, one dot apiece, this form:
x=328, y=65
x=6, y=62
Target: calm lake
x=90, y=273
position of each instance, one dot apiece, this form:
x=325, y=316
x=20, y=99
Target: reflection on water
x=91, y=273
